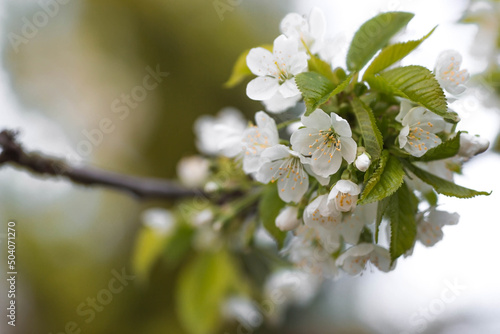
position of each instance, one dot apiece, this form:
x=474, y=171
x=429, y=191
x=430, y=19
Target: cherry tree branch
x=12, y=152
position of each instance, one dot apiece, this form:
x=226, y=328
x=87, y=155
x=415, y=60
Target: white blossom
x=287, y=219
x=221, y=134
x=256, y=139
x=161, y=221
x=354, y=260
x=243, y=310
x=276, y=71
x=429, y=226
x=353, y=224
x=324, y=219
x=309, y=255
x=193, y=171
x=472, y=145
x=344, y=195
x=362, y=162
x=418, y=133
x=285, y=167
x=326, y=139
x=308, y=32
x=448, y=72
x=278, y=103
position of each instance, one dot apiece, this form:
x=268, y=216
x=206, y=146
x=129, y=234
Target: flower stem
x=286, y=123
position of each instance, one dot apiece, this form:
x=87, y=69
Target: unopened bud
x=363, y=162
x=472, y=145
x=287, y=219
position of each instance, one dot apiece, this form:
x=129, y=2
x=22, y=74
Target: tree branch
x=13, y=153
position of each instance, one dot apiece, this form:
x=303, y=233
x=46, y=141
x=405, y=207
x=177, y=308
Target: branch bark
x=13, y=153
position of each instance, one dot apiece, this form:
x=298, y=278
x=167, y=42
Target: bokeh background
x=62, y=78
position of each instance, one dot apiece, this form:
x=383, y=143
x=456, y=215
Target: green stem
x=286, y=123
x=239, y=205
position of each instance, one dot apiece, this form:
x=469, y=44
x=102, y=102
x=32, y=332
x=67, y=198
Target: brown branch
x=13, y=153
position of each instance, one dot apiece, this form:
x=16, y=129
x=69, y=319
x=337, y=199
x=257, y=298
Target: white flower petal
x=348, y=148
x=403, y=136
x=287, y=219
x=297, y=63
x=317, y=23
x=262, y=88
x=325, y=163
x=340, y=125
x=318, y=119
x=381, y=258
x=284, y=48
x=303, y=140
x=405, y=107
x=347, y=187
x=292, y=187
x=278, y=103
x=276, y=152
x=289, y=88
x=293, y=24
x=260, y=61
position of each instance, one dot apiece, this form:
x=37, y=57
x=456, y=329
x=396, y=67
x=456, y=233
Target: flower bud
x=362, y=162
x=193, y=171
x=287, y=219
x=472, y=145
x=160, y=220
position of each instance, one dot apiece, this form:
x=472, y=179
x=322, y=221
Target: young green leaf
x=381, y=212
x=371, y=134
x=443, y=186
x=240, y=69
x=446, y=149
x=386, y=179
x=392, y=54
x=402, y=210
x=374, y=35
x=270, y=206
x=203, y=283
x=148, y=248
x=319, y=66
x=317, y=89
x=417, y=84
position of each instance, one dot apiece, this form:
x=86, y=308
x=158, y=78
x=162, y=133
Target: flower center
x=282, y=74
x=452, y=74
x=344, y=200
x=291, y=168
x=330, y=138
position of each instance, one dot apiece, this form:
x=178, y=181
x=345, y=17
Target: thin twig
x=144, y=188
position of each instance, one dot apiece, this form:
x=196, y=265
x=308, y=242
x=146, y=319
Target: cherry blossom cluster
x=319, y=162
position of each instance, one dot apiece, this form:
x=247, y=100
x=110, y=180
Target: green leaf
x=446, y=149
x=381, y=212
x=371, y=134
x=386, y=179
x=443, y=186
x=148, y=248
x=317, y=65
x=178, y=244
x=317, y=89
x=417, y=84
x=240, y=69
x=374, y=35
x=402, y=210
x=203, y=284
x=270, y=206
x=392, y=54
